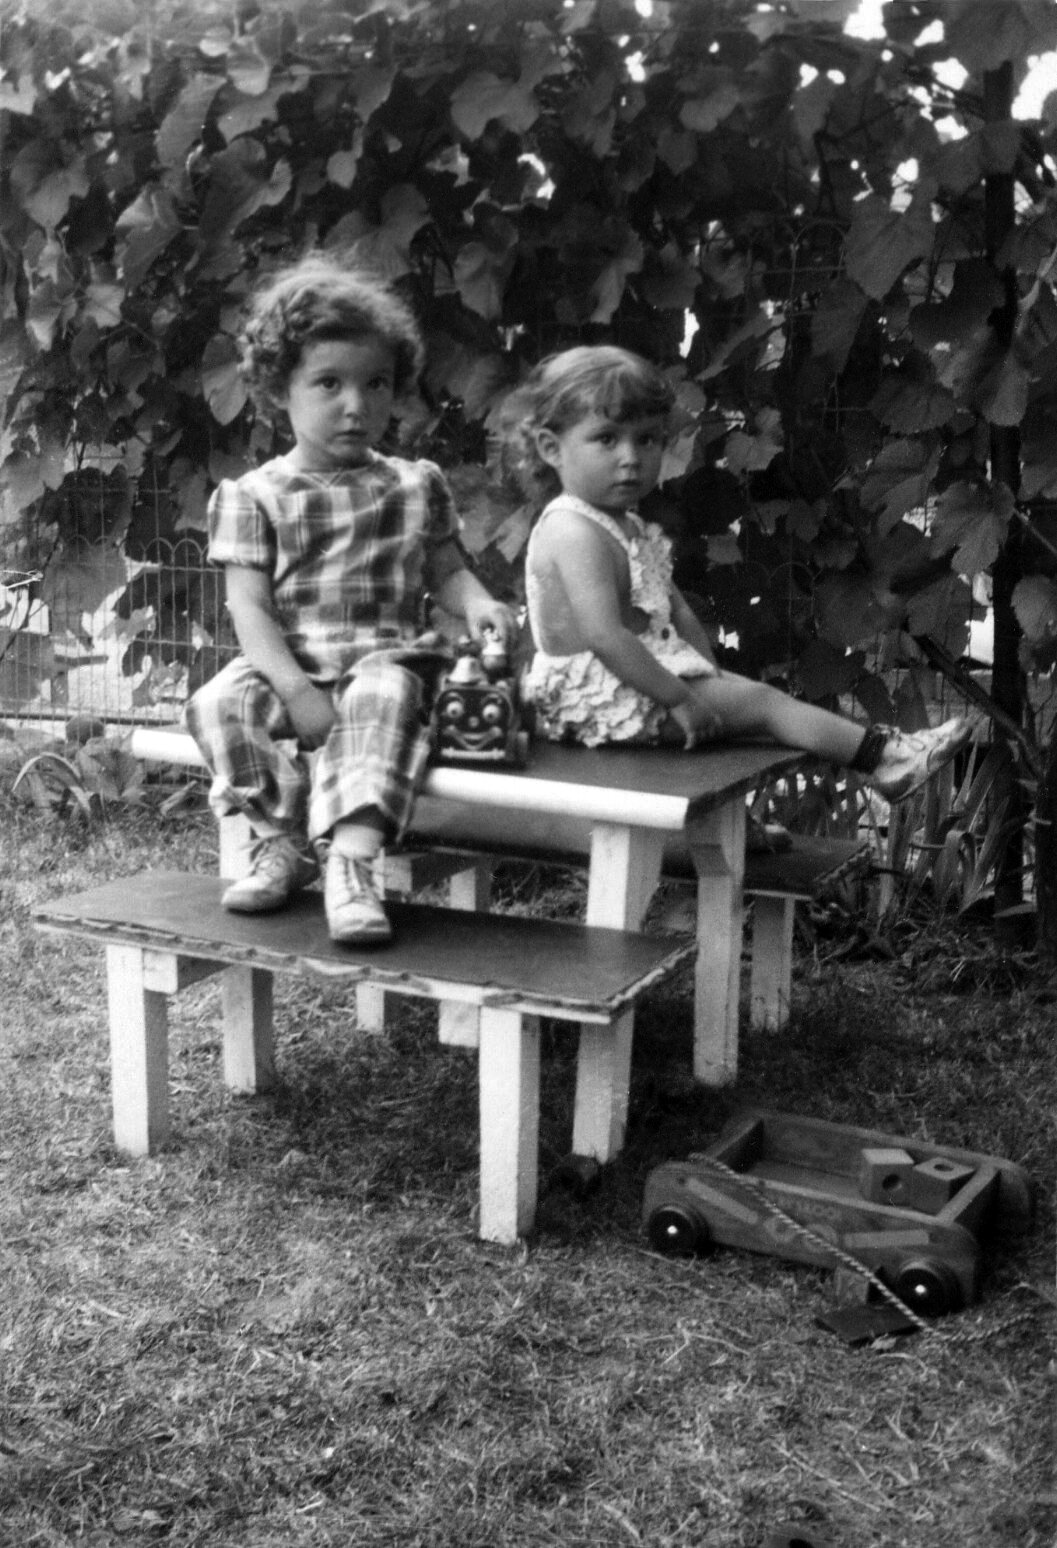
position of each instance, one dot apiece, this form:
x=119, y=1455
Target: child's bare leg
x=894, y=762
x=747, y=708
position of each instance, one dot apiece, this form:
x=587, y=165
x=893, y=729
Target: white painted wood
x=458, y=1026
x=370, y=1007
x=770, y=983
x=717, y=846
x=509, y=1092
x=625, y=870
x=249, y=1042
x=494, y=788
x=139, y=1054
x=603, y=1081
x=167, y=973
x=471, y=888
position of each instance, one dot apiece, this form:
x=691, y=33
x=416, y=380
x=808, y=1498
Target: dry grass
x=283, y=1331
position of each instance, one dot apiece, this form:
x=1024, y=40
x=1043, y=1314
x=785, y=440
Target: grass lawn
x=283, y=1332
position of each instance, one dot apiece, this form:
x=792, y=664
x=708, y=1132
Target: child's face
x=339, y=400
x=609, y=463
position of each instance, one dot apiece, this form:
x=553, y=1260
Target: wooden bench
x=164, y=931
x=457, y=836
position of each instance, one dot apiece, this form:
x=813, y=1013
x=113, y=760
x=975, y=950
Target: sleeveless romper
x=577, y=698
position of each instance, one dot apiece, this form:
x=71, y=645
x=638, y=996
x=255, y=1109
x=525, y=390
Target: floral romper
x=577, y=698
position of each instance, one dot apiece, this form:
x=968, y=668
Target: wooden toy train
x=912, y=1214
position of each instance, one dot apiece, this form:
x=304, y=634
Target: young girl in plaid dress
x=620, y=654
x=329, y=552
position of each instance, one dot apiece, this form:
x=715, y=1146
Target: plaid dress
x=351, y=555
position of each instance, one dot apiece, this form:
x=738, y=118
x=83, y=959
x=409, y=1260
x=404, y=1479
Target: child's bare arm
x=462, y=594
x=250, y=602
x=689, y=627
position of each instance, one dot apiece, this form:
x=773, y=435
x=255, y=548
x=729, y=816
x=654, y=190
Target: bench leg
x=603, y=1081
x=625, y=871
x=139, y=1054
x=717, y=845
x=459, y=1026
x=249, y=1048
x=772, y=962
x=509, y=1097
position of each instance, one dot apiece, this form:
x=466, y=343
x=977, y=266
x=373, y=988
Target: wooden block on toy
x=884, y=1175
x=933, y=1183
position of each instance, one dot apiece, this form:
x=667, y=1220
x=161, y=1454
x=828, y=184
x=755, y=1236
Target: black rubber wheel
x=928, y=1287
x=676, y=1231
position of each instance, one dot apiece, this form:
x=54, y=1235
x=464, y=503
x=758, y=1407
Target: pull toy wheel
x=675, y=1230
x=927, y=1287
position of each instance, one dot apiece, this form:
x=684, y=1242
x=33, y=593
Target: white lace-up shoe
x=355, y=916
x=910, y=757
x=278, y=869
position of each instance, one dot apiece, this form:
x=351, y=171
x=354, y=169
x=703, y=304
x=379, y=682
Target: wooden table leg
x=139, y=1054
x=249, y=1047
x=459, y=1025
x=717, y=845
x=772, y=962
x=625, y=871
x=509, y=1098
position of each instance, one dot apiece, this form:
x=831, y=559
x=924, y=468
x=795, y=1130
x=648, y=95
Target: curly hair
x=319, y=299
x=566, y=387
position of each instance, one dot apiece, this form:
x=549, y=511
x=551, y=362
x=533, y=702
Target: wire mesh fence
x=108, y=610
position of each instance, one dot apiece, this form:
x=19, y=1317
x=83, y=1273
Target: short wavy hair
x=318, y=299
x=566, y=387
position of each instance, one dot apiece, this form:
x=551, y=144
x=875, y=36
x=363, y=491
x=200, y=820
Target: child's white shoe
x=278, y=869
x=910, y=757
x=355, y=916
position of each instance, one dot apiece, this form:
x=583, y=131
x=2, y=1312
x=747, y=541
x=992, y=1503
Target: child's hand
x=699, y=722
x=485, y=615
x=312, y=715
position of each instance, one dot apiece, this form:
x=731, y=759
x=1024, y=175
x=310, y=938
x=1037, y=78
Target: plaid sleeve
x=445, y=551
x=240, y=531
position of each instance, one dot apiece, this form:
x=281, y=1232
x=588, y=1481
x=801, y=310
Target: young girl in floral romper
x=620, y=656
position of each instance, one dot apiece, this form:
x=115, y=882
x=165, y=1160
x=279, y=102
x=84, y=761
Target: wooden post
x=509, y=1097
x=249, y=1048
x=717, y=845
x=139, y=1054
x=772, y=961
x=459, y=1026
x=625, y=871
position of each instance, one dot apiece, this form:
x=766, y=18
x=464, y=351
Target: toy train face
x=475, y=717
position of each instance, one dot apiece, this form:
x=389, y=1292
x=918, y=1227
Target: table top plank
x=554, y=967
x=654, y=787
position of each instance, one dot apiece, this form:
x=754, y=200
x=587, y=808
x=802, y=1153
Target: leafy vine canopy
x=795, y=221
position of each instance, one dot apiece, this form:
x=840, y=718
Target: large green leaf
x=483, y=96
x=883, y=242
x=1035, y=604
x=835, y=322
x=900, y=479
x=222, y=384
x=971, y=522
x=942, y=611
x=182, y=127
x=145, y=230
